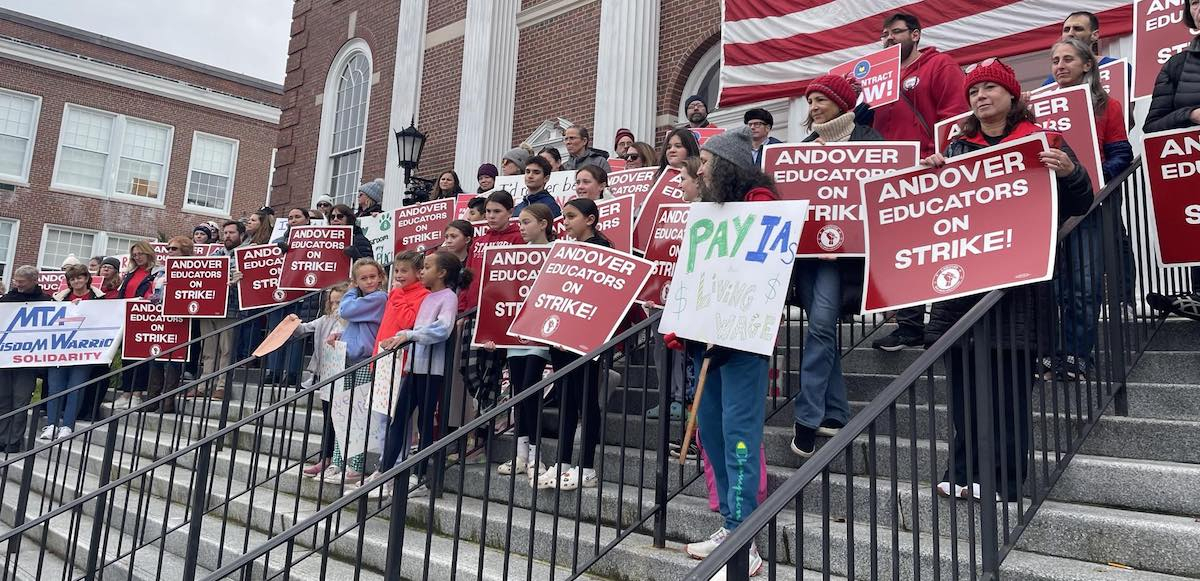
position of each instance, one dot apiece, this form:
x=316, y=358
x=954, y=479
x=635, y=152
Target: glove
x=673, y=342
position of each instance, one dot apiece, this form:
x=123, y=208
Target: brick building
x=103, y=142
x=479, y=76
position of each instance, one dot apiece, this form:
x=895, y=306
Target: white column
x=797, y=115
x=489, y=86
x=406, y=91
x=626, y=70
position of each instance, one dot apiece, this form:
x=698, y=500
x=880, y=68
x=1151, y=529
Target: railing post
x=199, y=495
x=982, y=353
x=14, y=544
x=738, y=568
x=1114, y=331
x=664, y=436
x=391, y=570
x=110, y=445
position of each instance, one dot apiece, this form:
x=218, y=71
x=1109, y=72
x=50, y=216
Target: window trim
x=324, y=158
x=224, y=211
x=99, y=242
x=6, y=272
x=23, y=179
x=112, y=163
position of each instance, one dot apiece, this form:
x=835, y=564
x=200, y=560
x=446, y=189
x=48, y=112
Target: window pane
x=349, y=129
x=63, y=243
x=83, y=154
x=207, y=190
x=12, y=154
x=144, y=142
x=344, y=183
x=87, y=130
x=212, y=156
x=118, y=245
x=78, y=167
x=6, y=229
x=137, y=178
x=16, y=115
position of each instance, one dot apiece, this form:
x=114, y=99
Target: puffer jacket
x=597, y=157
x=1176, y=91
x=1023, y=305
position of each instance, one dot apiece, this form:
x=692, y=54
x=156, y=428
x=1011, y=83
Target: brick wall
x=319, y=30
x=688, y=28
x=440, y=89
x=444, y=12
x=36, y=205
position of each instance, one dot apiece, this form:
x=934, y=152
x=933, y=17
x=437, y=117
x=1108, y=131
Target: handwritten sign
x=1173, y=171
x=733, y=273
x=878, y=73
x=378, y=229
x=560, y=184
x=316, y=257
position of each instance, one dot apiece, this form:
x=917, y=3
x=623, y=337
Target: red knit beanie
x=837, y=89
x=994, y=72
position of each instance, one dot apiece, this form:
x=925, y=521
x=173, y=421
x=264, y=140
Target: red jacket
x=401, y=311
x=508, y=236
x=933, y=84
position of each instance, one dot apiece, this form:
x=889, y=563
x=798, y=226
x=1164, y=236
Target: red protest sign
x=580, y=296
x=703, y=134
x=1066, y=111
x=161, y=254
x=985, y=220
x=877, y=72
x=196, y=286
x=508, y=273
x=1114, y=79
x=316, y=257
x=1173, y=172
x=615, y=164
x=616, y=223
x=420, y=227
x=632, y=182
x=52, y=281
x=665, y=190
x=461, y=204
x=827, y=175
x=1158, y=34
x=261, y=266
x=481, y=227
x=669, y=227
x=148, y=333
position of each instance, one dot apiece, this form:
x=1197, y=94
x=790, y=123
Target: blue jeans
x=58, y=380
x=822, y=389
x=287, y=358
x=1077, y=287
x=731, y=417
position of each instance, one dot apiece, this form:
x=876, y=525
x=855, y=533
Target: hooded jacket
x=1176, y=91
x=931, y=89
x=1025, y=304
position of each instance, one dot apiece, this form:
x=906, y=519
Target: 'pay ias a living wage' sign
x=733, y=273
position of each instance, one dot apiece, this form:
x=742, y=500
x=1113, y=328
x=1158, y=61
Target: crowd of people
x=421, y=296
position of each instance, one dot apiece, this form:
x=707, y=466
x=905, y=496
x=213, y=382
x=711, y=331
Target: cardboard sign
x=665, y=190
x=148, y=333
x=52, y=281
x=580, y=296
x=827, y=177
x=1066, y=111
x=60, y=333
x=421, y=227
x=561, y=185
x=316, y=257
x=1158, y=34
x=703, y=134
x=196, y=286
x=985, y=220
x=878, y=73
x=632, y=182
x=733, y=273
x=378, y=229
x=616, y=223
x=261, y=266
x=669, y=227
x=461, y=205
x=615, y=164
x=1173, y=173
x=507, y=275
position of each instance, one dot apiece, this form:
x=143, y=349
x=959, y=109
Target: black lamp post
x=409, y=144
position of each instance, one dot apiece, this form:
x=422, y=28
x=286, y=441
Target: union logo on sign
x=278, y=295
x=193, y=307
x=310, y=280
x=830, y=237
x=948, y=278
x=862, y=69
x=155, y=350
x=550, y=326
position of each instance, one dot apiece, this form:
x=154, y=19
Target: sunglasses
x=338, y=216
x=987, y=62
x=325, y=204
x=631, y=157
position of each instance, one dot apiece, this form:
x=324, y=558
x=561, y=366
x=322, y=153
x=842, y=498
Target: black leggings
x=421, y=392
x=328, y=436
x=579, y=397
x=524, y=371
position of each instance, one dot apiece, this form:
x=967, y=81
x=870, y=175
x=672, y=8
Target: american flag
x=772, y=48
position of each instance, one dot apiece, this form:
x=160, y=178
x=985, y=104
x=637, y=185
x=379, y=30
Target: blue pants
x=1078, y=287
x=823, y=391
x=421, y=392
x=731, y=415
x=286, y=359
x=60, y=379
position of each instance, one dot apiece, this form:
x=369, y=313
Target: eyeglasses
x=632, y=157
x=756, y=124
x=338, y=216
x=893, y=32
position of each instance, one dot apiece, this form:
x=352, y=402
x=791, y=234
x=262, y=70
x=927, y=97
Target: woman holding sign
x=826, y=288
x=139, y=282
x=61, y=412
x=999, y=115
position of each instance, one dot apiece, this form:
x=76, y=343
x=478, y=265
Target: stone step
x=1176, y=334
x=1165, y=401
x=1145, y=439
x=1171, y=367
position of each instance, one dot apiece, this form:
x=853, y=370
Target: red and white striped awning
x=771, y=48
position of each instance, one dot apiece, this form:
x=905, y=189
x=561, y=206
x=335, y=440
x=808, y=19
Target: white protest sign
x=60, y=333
x=733, y=273
x=561, y=185
x=378, y=229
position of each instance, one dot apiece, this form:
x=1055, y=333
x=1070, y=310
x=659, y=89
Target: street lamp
x=409, y=144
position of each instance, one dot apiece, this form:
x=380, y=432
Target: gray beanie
x=734, y=146
x=373, y=189
x=518, y=156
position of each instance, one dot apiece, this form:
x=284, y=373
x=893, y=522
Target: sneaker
x=830, y=428
x=516, y=466
x=577, y=476
x=756, y=564
x=332, y=474
x=897, y=341
x=1076, y=368
x=47, y=433
x=977, y=492
x=943, y=490
x=63, y=432
x=135, y=401
x=1182, y=304
x=122, y=401
x=421, y=491
x=652, y=413
x=353, y=476
x=693, y=451
x=314, y=470
x=705, y=548
x=804, y=441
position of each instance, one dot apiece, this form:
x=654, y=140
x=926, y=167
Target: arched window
x=344, y=124
x=704, y=80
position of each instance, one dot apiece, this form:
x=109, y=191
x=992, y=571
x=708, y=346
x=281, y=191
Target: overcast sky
x=245, y=36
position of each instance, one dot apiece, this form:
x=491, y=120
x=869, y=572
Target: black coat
x=1027, y=305
x=360, y=247
x=34, y=296
x=1176, y=91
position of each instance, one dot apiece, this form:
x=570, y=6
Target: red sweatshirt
x=933, y=84
x=510, y=235
x=401, y=311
